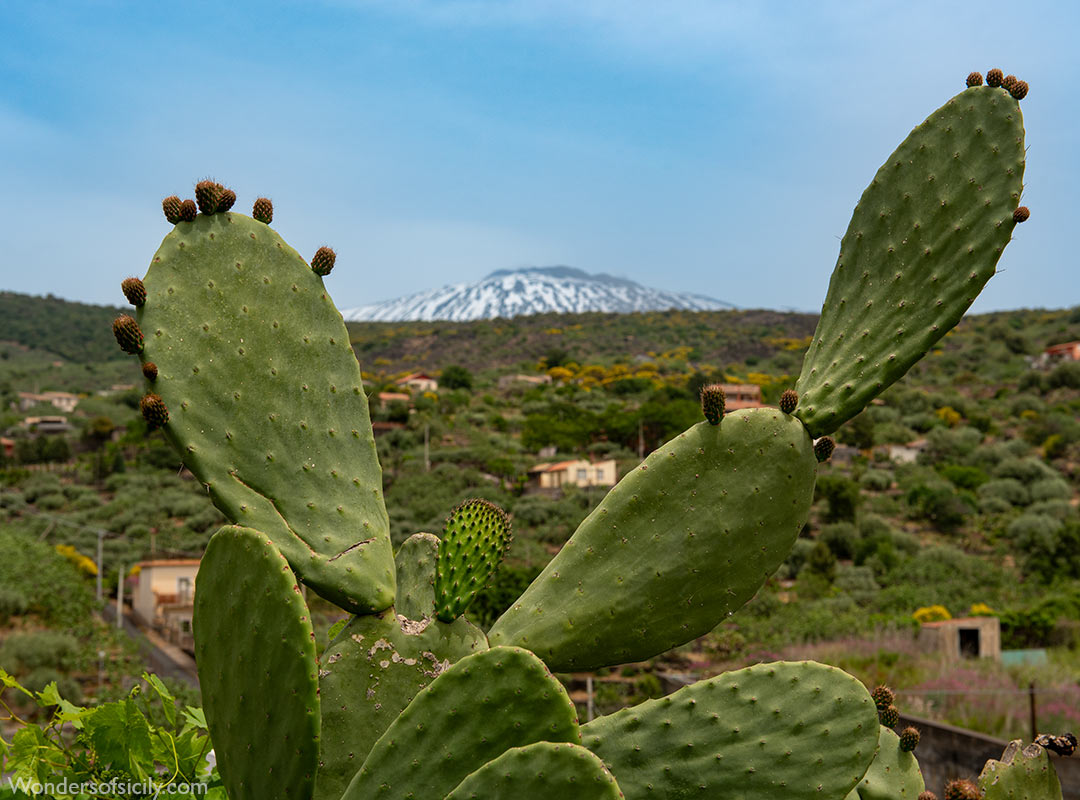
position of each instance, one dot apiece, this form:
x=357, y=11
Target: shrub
x=1008, y=490
x=876, y=480
x=1050, y=489
x=934, y=613
x=842, y=496
x=25, y=652
x=840, y=538
x=1027, y=470
x=964, y=477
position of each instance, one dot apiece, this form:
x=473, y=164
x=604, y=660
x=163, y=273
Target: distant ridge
x=531, y=290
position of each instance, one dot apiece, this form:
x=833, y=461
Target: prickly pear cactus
x=893, y=775
x=377, y=663
x=473, y=544
x=250, y=374
x=255, y=648
x=923, y=241
x=265, y=402
x=469, y=715
x=792, y=730
x=675, y=547
x=540, y=771
x=1023, y=773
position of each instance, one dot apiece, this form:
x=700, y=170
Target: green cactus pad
x=266, y=404
x=788, y=729
x=415, y=564
x=540, y=771
x=1023, y=773
x=923, y=241
x=255, y=648
x=679, y=544
x=377, y=664
x=475, y=539
x=893, y=775
x=473, y=712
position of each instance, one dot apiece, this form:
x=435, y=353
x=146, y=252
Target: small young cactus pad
x=474, y=541
x=923, y=241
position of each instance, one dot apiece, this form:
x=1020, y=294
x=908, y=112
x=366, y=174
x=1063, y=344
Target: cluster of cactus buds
x=251, y=377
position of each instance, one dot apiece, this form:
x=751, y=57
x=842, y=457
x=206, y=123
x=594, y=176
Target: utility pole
x=1031, y=708
x=427, y=450
x=120, y=598
x=100, y=565
x=641, y=438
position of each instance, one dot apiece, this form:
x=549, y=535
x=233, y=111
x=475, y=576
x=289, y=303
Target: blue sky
x=711, y=147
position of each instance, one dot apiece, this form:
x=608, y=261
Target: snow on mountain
x=532, y=290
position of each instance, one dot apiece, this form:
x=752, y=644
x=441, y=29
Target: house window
x=582, y=475
x=599, y=476
x=183, y=590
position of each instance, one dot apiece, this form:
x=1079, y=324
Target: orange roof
x=1063, y=347
x=170, y=562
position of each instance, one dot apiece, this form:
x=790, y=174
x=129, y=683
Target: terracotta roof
x=170, y=562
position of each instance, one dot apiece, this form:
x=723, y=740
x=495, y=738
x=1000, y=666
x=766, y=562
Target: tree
x=456, y=377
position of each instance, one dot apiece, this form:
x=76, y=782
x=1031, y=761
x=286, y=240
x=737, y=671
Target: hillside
x=958, y=489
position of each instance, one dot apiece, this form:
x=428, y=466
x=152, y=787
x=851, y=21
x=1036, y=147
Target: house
x=741, y=395
x=506, y=381
x=386, y=398
x=903, y=453
x=47, y=425
x=65, y=401
x=578, y=472
x=419, y=382
x=164, y=597
x=8, y=447
x=1056, y=353
x=972, y=637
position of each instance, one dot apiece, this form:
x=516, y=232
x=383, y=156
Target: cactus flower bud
x=134, y=291
x=171, y=206
x=154, y=411
x=263, y=210
x=128, y=335
x=323, y=261
x=713, y=402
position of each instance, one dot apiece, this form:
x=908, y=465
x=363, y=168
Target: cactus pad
x=266, y=401
x=797, y=730
x=893, y=775
x=377, y=664
x=415, y=563
x=1023, y=773
x=255, y=648
x=681, y=542
x=472, y=713
x=923, y=241
x=474, y=541
x=540, y=771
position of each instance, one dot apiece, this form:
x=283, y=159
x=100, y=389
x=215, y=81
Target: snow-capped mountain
x=532, y=290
